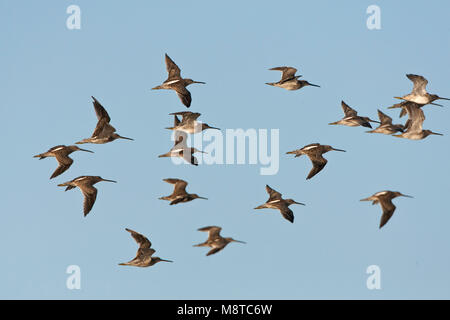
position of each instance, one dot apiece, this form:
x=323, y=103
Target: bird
x=419, y=92
x=104, y=132
x=314, y=151
x=189, y=123
x=181, y=150
x=277, y=202
x=215, y=241
x=352, y=119
x=86, y=185
x=144, y=254
x=289, y=80
x=413, y=128
x=61, y=153
x=176, y=82
x=384, y=198
x=386, y=126
x=179, y=193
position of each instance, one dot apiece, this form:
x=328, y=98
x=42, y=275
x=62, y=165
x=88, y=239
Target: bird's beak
x=314, y=85
x=436, y=104
x=435, y=133
x=166, y=260
x=125, y=138
x=404, y=195
x=299, y=203
x=199, y=82
x=85, y=150
x=239, y=241
x=203, y=198
x=444, y=98
x=109, y=180
x=213, y=128
x=338, y=150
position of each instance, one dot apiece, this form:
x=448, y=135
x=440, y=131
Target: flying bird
x=179, y=193
x=386, y=126
x=189, y=123
x=104, y=132
x=86, y=185
x=181, y=150
x=144, y=256
x=413, y=128
x=176, y=82
x=289, y=80
x=215, y=241
x=419, y=93
x=352, y=119
x=314, y=151
x=384, y=198
x=277, y=202
x=61, y=153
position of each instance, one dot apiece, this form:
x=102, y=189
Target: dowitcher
x=352, y=119
x=386, y=126
x=181, y=150
x=61, y=153
x=419, y=93
x=413, y=127
x=215, y=241
x=104, y=132
x=384, y=198
x=314, y=151
x=277, y=202
x=86, y=185
x=189, y=123
x=289, y=80
x=144, y=254
x=176, y=82
x=179, y=193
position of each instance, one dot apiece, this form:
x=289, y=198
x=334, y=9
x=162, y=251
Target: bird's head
x=116, y=136
x=98, y=179
x=330, y=148
x=426, y=133
x=399, y=194
x=207, y=126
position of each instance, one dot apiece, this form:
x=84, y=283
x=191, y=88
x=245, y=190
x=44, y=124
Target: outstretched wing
x=385, y=119
x=184, y=95
x=90, y=195
x=388, y=210
x=180, y=185
x=213, y=231
x=100, y=111
x=64, y=164
x=288, y=73
x=214, y=250
x=172, y=69
x=319, y=163
x=420, y=84
x=287, y=213
x=187, y=115
x=141, y=240
x=416, y=118
x=349, y=112
x=273, y=195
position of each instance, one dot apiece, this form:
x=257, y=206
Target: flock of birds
x=104, y=133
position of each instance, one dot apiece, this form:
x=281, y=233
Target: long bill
x=404, y=195
x=166, y=260
x=314, y=85
x=109, y=180
x=435, y=133
x=239, y=241
x=338, y=150
x=125, y=138
x=85, y=150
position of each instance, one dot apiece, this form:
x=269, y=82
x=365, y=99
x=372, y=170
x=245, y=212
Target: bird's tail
x=83, y=141
x=271, y=83
x=40, y=156
x=203, y=244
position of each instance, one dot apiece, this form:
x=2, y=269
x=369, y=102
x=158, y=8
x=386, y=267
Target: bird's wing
x=288, y=73
x=61, y=146
x=189, y=157
x=180, y=140
x=141, y=240
x=103, y=129
x=319, y=163
x=180, y=185
x=214, y=250
x=349, y=112
x=420, y=84
x=184, y=95
x=100, y=111
x=213, y=231
x=90, y=194
x=172, y=69
x=64, y=163
x=416, y=118
x=388, y=210
x=273, y=195
x=187, y=115
x=287, y=213
x=385, y=119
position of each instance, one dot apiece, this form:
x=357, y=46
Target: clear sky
x=49, y=73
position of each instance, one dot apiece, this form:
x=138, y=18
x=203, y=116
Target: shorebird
x=181, y=150
x=386, y=126
x=314, y=151
x=104, y=132
x=61, y=153
x=352, y=119
x=189, y=123
x=144, y=254
x=413, y=127
x=289, y=80
x=86, y=185
x=277, y=202
x=384, y=198
x=215, y=241
x=179, y=193
x=176, y=82
x=419, y=93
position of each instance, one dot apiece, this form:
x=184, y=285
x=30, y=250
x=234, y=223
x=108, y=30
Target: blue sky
x=49, y=74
